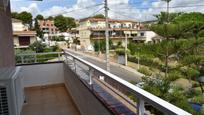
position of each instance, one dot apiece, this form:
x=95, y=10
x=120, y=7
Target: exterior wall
x=7, y=58
x=16, y=41
x=48, y=26
x=32, y=39
x=150, y=35
x=84, y=37
x=83, y=98
x=18, y=26
x=42, y=74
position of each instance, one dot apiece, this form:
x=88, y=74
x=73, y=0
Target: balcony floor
x=52, y=100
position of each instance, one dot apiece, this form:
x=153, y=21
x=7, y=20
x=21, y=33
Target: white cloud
x=118, y=9
x=32, y=8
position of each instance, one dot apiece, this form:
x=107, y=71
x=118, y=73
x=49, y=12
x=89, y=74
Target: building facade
x=147, y=36
x=22, y=37
x=92, y=29
x=48, y=27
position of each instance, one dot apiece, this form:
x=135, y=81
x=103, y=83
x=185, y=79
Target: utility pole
x=107, y=36
x=126, y=42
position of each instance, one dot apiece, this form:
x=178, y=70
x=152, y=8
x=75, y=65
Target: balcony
x=74, y=86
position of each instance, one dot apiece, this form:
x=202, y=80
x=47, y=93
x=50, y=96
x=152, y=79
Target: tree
x=99, y=16
x=70, y=22
x=14, y=15
x=50, y=18
x=37, y=46
x=37, y=29
x=39, y=17
x=26, y=18
x=64, y=23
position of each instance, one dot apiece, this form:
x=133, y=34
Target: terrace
x=74, y=86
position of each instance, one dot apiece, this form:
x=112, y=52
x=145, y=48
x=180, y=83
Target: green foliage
x=99, y=16
x=76, y=41
x=26, y=18
x=50, y=18
x=58, y=38
x=27, y=58
x=121, y=51
x=189, y=72
x=162, y=17
x=14, y=15
x=64, y=23
x=198, y=99
x=38, y=30
x=37, y=46
x=145, y=71
x=174, y=75
x=39, y=17
x=100, y=45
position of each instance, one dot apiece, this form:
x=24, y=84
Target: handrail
x=25, y=54
x=141, y=94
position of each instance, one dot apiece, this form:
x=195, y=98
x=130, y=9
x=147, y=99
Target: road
x=120, y=72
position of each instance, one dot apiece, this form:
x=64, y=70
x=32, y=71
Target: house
x=47, y=26
x=146, y=36
x=22, y=36
x=93, y=29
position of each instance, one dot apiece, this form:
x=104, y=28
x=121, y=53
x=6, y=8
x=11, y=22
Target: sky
x=140, y=10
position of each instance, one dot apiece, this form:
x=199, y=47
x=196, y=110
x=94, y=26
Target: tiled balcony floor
x=52, y=100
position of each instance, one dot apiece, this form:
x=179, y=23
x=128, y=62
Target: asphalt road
x=120, y=72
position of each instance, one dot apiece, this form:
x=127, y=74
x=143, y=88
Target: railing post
x=58, y=56
x=22, y=59
x=90, y=76
x=35, y=56
x=140, y=107
x=75, y=68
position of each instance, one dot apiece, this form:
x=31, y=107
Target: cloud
x=32, y=8
x=121, y=9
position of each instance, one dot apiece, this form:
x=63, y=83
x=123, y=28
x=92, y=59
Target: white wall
x=42, y=74
x=150, y=35
x=18, y=26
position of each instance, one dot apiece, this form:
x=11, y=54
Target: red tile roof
x=24, y=33
x=102, y=19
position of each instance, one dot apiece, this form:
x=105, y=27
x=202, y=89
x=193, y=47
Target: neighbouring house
x=93, y=29
x=22, y=37
x=48, y=27
x=147, y=36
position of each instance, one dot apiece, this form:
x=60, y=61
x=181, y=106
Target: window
x=142, y=34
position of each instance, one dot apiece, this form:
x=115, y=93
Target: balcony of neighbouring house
x=65, y=84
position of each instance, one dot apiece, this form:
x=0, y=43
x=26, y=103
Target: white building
x=21, y=35
x=147, y=36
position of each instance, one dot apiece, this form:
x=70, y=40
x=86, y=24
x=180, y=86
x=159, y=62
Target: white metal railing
x=142, y=95
x=29, y=58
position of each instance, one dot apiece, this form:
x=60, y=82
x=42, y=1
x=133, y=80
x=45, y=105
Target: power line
x=66, y=12
x=93, y=14
x=172, y=7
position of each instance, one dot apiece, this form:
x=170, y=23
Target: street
x=120, y=72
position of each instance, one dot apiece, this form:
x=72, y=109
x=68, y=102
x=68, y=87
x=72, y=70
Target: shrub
x=145, y=71
x=121, y=51
x=37, y=46
x=174, y=75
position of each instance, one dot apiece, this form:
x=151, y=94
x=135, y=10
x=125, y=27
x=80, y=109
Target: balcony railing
x=30, y=58
x=110, y=89
x=97, y=79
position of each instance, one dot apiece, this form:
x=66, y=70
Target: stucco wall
x=7, y=58
x=83, y=98
x=42, y=74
